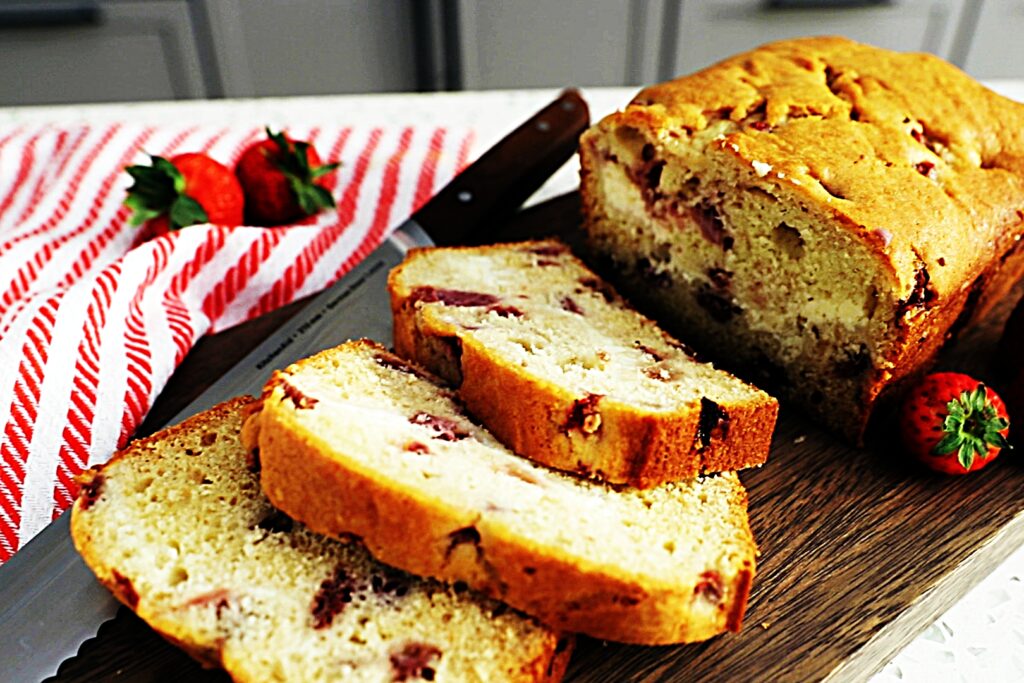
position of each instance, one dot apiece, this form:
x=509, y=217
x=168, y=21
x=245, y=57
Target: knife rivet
x=543, y=126
x=465, y=196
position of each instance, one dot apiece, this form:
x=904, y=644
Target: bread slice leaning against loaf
x=177, y=528
x=564, y=372
x=354, y=440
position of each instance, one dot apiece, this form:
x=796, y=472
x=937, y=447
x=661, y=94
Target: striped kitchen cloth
x=92, y=324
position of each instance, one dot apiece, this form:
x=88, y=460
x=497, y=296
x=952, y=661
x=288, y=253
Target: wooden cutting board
x=860, y=549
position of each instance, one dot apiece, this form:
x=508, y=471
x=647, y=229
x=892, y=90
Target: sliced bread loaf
x=825, y=214
x=178, y=530
x=564, y=372
x=354, y=440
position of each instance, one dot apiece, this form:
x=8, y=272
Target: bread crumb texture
x=177, y=528
x=562, y=370
x=380, y=450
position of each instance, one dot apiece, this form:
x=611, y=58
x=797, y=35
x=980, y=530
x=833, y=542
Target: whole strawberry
x=954, y=423
x=283, y=180
x=186, y=189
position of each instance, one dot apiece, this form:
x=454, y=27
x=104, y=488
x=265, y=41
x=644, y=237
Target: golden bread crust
x=312, y=477
x=858, y=120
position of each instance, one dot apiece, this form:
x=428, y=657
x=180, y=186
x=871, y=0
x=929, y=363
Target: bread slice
x=822, y=214
x=354, y=440
x=564, y=372
x=177, y=528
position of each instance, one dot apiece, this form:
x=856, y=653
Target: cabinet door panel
x=313, y=47
x=136, y=51
x=712, y=30
x=997, y=47
x=537, y=43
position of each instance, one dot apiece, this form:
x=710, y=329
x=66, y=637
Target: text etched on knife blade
x=310, y=322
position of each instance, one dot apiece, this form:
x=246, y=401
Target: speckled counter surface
x=981, y=638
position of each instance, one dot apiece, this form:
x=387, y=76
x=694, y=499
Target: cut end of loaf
x=731, y=260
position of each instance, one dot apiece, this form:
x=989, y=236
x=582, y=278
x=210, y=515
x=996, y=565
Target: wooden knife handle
x=498, y=182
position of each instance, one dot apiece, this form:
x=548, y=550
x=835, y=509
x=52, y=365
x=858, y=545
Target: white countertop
x=981, y=638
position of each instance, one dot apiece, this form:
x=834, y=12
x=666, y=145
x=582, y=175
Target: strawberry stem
x=971, y=427
x=158, y=190
x=293, y=162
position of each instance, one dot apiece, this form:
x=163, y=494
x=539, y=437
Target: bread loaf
x=178, y=530
x=823, y=213
x=355, y=441
x=563, y=371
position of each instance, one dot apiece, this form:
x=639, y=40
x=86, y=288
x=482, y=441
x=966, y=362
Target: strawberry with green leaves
x=954, y=423
x=184, y=190
x=283, y=180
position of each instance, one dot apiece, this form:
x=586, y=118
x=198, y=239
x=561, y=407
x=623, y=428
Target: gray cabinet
x=311, y=47
x=532, y=43
x=109, y=50
x=710, y=30
x=104, y=51
x=538, y=43
x=997, y=48
x=128, y=50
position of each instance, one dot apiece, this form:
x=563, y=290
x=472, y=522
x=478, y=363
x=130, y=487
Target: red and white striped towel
x=91, y=328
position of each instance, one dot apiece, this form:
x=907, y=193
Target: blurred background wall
x=55, y=51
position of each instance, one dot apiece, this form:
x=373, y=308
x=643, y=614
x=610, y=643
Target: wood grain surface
x=860, y=549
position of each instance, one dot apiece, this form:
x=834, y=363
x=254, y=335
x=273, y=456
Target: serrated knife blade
x=43, y=581
x=50, y=602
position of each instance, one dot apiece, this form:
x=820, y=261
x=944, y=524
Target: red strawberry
x=283, y=180
x=953, y=423
x=184, y=190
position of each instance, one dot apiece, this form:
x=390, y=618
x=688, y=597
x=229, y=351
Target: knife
x=50, y=602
